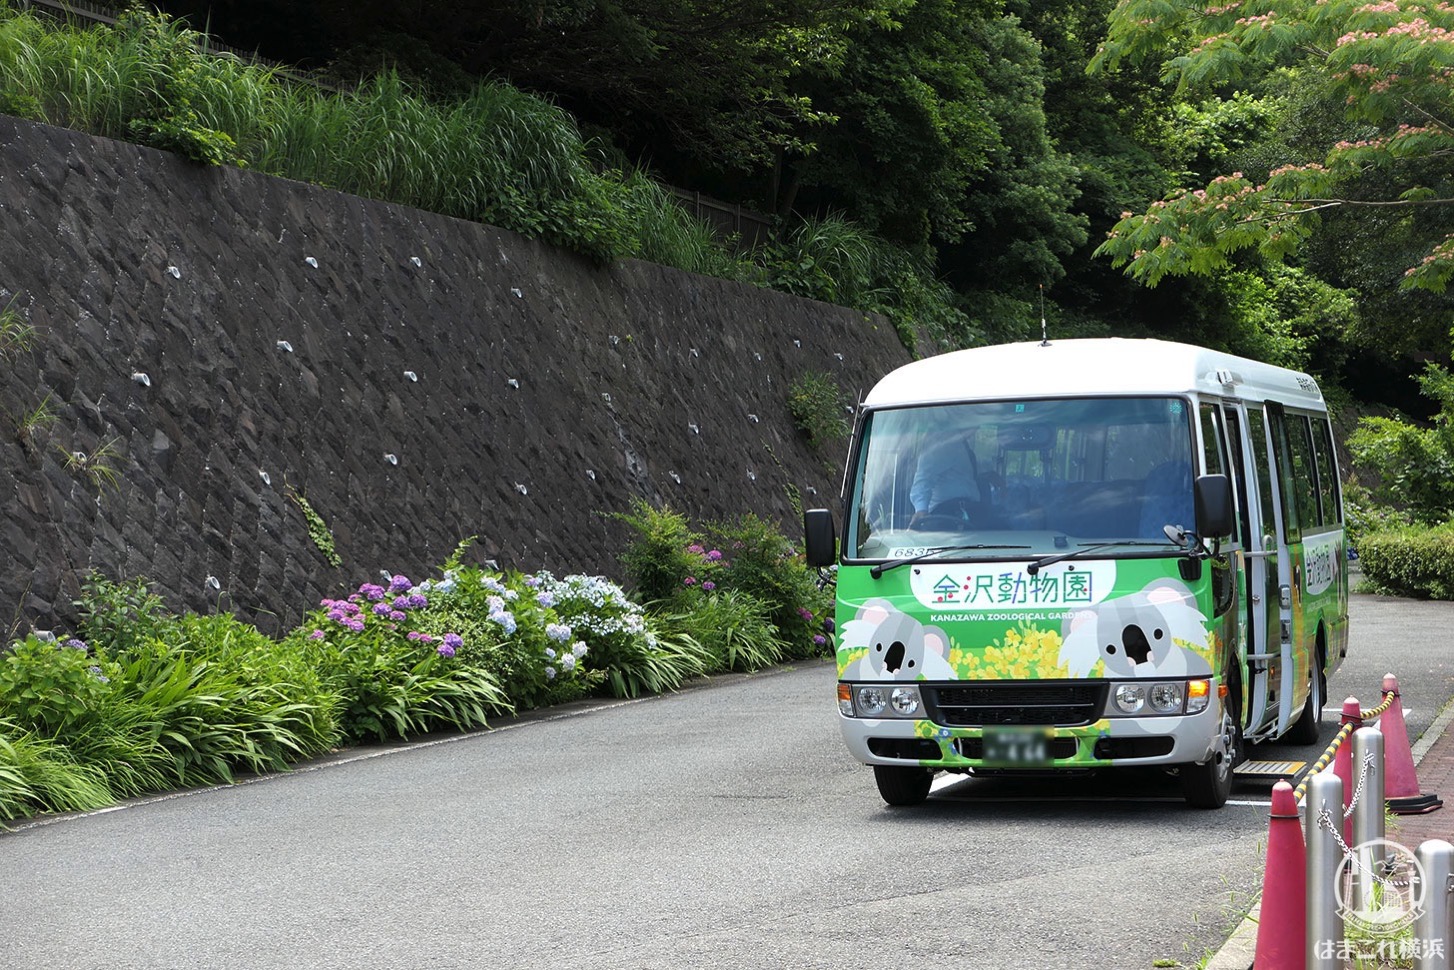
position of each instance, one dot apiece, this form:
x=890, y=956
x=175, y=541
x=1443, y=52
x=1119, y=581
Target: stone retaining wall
x=225, y=339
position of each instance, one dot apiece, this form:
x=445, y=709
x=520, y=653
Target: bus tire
x=1306, y=728
x=1209, y=785
x=903, y=785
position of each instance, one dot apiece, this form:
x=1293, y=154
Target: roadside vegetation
x=1321, y=238
x=139, y=699
x=490, y=153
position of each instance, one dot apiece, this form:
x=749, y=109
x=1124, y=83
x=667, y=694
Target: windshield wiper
x=1086, y=549
x=883, y=567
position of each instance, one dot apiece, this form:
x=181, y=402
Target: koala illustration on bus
x=1137, y=635
x=899, y=646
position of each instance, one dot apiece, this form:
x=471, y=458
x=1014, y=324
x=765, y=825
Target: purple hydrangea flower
x=695, y=549
x=417, y=601
x=445, y=650
x=545, y=598
x=820, y=640
x=806, y=614
x=382, y=609
x=96, y=672
x=828, y=624
x=714, y=555
x=356, y=625
x=317, y=635
x=690, y=581
x=75, y=644
x=371, y=591
x=709, y=586
x=400, y=584
x=453, y=640
x=398, y=616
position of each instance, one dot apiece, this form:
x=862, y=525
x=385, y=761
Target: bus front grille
x=1058, y=703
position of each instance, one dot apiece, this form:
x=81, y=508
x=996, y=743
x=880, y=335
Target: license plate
x=1011, y=746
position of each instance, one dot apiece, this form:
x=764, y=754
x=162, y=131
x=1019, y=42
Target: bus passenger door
x=1269, y=647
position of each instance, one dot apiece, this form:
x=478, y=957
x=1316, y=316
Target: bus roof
x=1111, y=366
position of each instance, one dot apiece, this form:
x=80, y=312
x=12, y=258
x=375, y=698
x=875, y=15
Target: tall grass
x=496, y=155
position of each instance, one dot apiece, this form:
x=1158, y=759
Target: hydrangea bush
x=395, y=672
x=747, y=556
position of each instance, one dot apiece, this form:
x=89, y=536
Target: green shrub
x=116, y=616
x=760, y=561
x=659, y=556
x=732, y=627
x=816, y=405
x=1412, y=561
x=50, y=688
x=1362, y=515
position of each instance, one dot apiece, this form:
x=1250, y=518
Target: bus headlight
x=871, y=701
x=905, y=701
x=1165, y=698
x=1130, y=698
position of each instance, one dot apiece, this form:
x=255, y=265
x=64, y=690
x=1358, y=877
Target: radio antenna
x=1044, y=331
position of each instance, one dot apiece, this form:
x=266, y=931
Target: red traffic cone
x=1343, y=763
x=1282, y=922
x=1400, y=781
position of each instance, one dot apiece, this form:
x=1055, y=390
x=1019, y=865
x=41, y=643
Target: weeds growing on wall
x=98, y=465
x=496, y=155
x=16, y=335
x=816, y=405
x=318, y=531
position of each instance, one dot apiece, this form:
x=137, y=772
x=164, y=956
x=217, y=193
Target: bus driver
x=946, y=481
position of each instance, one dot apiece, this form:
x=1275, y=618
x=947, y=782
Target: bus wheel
x=1209, y=785
x=903, y=786
x=1305, y=729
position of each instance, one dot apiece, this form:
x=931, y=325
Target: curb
x=1238, y=952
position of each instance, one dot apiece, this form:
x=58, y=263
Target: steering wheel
x=948, y=516
x=957, y=508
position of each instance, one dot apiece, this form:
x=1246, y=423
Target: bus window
x=1267, y=510
x=1327, y=476
x=1305, y=483
x=1286, y=478
x=1213, y=448
x=1239, y=472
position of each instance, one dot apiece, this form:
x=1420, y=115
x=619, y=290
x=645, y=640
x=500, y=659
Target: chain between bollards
x=1331, y=751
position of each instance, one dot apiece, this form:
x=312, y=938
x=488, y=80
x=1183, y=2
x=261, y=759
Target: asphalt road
x=720, y=827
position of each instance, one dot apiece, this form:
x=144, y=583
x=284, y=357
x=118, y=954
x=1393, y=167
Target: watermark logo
x=1380, y=891
x=1379, y=888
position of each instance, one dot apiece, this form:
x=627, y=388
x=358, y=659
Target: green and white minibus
x=1085, y=554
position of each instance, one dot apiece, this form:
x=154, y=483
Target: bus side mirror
x=1214, y=506
x=820, y=541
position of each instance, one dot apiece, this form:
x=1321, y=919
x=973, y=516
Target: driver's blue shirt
x=945, y=472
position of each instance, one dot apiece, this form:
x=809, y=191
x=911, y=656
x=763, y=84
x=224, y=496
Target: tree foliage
x=1388, y=64
x=1415, y=465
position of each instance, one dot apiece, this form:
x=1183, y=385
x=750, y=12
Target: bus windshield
x=1038, y=477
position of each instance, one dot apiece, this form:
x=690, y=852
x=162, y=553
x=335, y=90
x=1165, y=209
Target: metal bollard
x=1367, y=815
x=1325, y=859
x=1434, y=920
